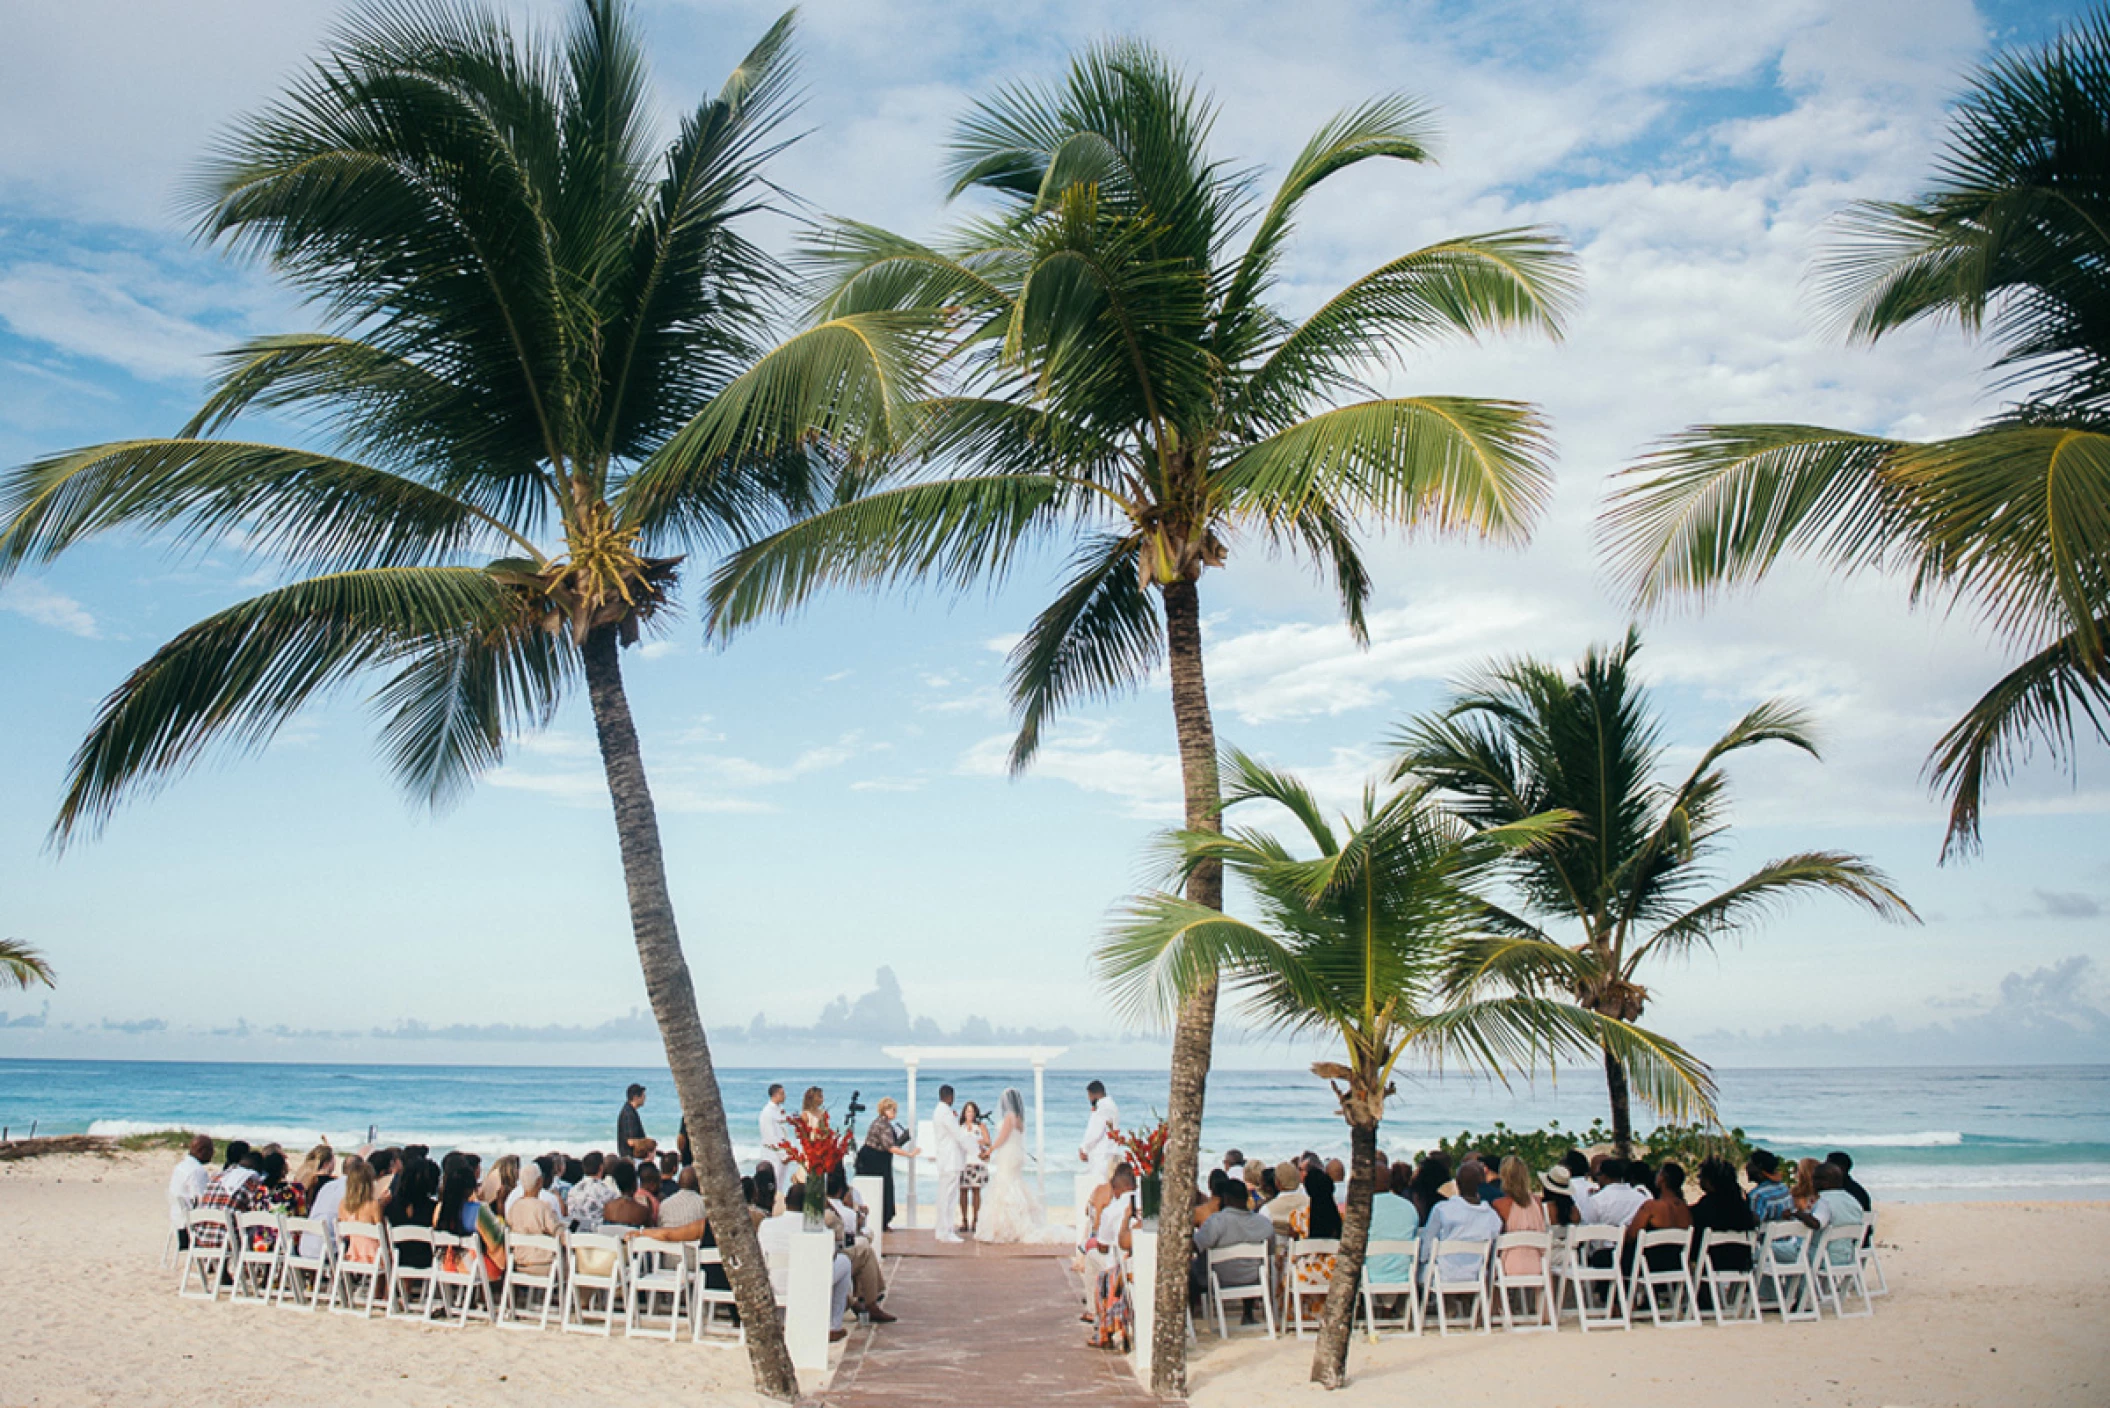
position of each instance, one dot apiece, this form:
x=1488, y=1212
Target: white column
x=872, y=1189
x=913, y=1218
x=808, y=1290
x=1142, y=1299
x=1040, y=1125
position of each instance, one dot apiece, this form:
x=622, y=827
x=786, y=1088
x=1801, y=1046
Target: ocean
x=2006, y=1133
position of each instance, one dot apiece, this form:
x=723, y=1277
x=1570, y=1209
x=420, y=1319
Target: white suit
x=1099, y=1148
x=772, y=1128
x=951, y=1157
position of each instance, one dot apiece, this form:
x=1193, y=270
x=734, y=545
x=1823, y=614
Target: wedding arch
x=980, y=1056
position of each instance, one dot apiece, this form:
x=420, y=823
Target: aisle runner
x=980, y=1328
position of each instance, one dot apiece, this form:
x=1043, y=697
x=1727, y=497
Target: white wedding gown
x=1011, y=1211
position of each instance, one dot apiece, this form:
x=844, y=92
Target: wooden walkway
x=981, y=1327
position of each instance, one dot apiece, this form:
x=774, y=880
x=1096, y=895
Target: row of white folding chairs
x=1792, y=1273
x=263, y=1258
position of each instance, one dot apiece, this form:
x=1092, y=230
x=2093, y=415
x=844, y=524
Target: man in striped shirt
x=1771, y=1199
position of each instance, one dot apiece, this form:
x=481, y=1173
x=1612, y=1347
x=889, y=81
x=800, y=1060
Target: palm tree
x=22, y=965
x=1110, y=374
x=2010, y=521
x=522, y=297
x=1372, y=943
x=1633, y=873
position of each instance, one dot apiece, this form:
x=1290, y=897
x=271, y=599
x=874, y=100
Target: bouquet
x=1146, y=1148
x=815, y=1147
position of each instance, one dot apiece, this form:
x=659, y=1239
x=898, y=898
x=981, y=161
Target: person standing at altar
x=1099, y=1150
x=951, y=1142
x=772, y=1123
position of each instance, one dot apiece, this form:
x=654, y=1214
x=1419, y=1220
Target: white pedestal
x=872, y=1189
x=810, y=1281
x=1081, y=1201
x=1143, y=1299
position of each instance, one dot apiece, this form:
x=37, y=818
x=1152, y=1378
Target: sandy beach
x=1991, y=1304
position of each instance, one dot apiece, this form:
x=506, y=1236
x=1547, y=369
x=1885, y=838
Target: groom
x=1100, y=1147
x=951, y=1157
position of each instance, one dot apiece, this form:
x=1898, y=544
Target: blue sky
x=832, y=793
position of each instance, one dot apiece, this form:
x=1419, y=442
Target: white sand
x=1991, y=1304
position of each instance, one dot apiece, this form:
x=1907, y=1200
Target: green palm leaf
x=22, y=965
x=1100, y=637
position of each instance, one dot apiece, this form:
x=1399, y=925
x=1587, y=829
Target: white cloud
x=39, y=603
x=1147, y=785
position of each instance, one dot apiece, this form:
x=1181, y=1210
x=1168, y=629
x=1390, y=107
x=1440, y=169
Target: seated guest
x=1614, y=1201
x=1255, y=1180
x=1520, y=1211
x=1833, y=1206
x=359, y=1206
x=1844, y=1162
x=766, y=1190
x=237, y=1150
x=1435, y=1171
x=1666, y=1212
x=1338, y=1172
x=1578, y=1165
x=1393, y=1218
x=685, y=1204
x=411, y=1203
x=1462, y=1217
x=1211, y=1200
x=1558, y=1197
x=1722, y=1208
x=1234, y=1164
x=384, y=1163
x=648, y=1187
x=275, y=1193
x=1321, y=1216
x=496, y=1193
x=1771, y=1200
x=187, y=1183
x=776, y=1234
x=625, y=1209
x=459, y=1214
x=529, y=1214
x=235, y=1191
x=1289, y=1199
x=867, y=1276
x=670, y=1167
x=1233, y=1224
x=1640, y=1175
x=589, y=1195
x=546, y=1166
x=569, y=1172
x=318, y=1168
x=1803, y=1191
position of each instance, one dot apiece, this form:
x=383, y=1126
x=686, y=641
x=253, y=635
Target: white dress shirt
x=1099, y=1148
x=771, y=1124
x=1613, y=1205
x=186, y=1185
x=951, y=1139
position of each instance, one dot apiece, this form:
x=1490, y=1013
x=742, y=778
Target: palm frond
x=22, y=965
x=240, y=674
x=1770, y=888
x=1447, y=463
x=1717, y=506
x=1101, y=636
x=314, y=510
x=1163, y=946
x=1526, y=1032
x=456, y=699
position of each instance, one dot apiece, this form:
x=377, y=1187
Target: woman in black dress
x=885, y=1141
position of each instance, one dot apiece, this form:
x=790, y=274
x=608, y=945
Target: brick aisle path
x=981, y=1327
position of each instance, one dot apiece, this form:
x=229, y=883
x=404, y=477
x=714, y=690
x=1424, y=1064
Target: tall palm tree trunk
x=1195, y=1029
x=673, y=996
x=1622, y=1107
x=1329, y=1360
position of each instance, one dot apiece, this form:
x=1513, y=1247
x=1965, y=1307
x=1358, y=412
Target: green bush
x=1540, y=1149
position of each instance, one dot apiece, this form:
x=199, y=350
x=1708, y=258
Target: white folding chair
x=656, y=1269
x=1650, y=1283
x=1221, y=1295
x=1441, y=1279
x=1305, y=1256
x=304, y=1276
x=1831, y=1275
x=1871, y=1260
x=256, y=1269
x=1582, y=1276
x=1784, y=1280
x=1740, y=1308
x=212, y=1247
x=459, y=1278
x=409, y=1278
x=1537, y=1284
x=549, y=1281
x=705, y=1300
x=179, y=1221
x=580, y=1285
x=1389, y=1287
x=345, y=1298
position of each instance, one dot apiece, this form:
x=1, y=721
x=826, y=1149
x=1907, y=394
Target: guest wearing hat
x=1559, y=1187
x=1289, y=1200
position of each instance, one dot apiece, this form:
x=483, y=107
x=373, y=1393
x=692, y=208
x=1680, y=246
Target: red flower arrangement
x=816, y=1148
x=1146, y=1149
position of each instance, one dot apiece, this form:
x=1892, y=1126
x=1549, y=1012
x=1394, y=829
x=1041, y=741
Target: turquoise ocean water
x=1917, y=1134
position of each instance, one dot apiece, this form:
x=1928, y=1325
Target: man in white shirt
x=1098, y=1151
x=186, y=1185
x=1614, y=1201
x=1461, y=1217
x=951, y=1158
x=776, y=1233
x=772, y=1124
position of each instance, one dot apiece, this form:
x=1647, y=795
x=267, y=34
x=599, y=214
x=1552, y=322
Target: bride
x=1010, y=1210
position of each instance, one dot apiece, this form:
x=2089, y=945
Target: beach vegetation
x=521, y=298
x=1633, y=880
x=1540, y=1149
x=1096, y=361
x=2008, y=522
x=1360, y=937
